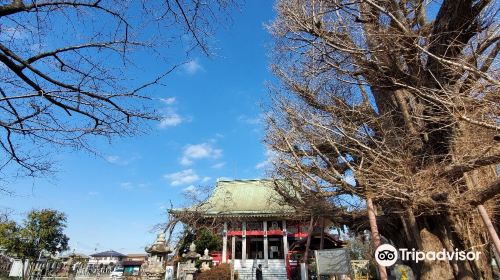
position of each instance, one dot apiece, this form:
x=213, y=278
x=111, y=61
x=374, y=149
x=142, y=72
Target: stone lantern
x=192, y=256
x=206, y=260
x=154, y=267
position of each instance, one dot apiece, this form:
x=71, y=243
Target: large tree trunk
x=433, y=270
x=438, y=232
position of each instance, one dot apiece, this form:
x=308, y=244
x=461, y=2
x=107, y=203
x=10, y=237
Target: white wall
x=17, y=268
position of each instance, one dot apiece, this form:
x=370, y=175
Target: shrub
x=220, y=272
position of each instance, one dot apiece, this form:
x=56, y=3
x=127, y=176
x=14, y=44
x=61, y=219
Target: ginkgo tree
x=392, y=108
x=41, y=232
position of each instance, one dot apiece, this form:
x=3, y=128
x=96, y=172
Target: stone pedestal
x=190, y=272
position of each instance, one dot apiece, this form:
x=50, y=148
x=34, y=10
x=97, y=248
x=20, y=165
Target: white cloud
x=205, y=179
x=218, y=165
x=168, y=100
x=93, y=193
x=183, y=177
x=133, y=186
x=127, y=185
x=191, y=190
x=262, y=164
x=112, y=159
x=199, y=151
x=192, y=67
x=170, y=117
x=270, y=156
x=115, y=159
x=252, y=120
x=169, y=120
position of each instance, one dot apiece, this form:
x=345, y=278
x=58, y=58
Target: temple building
x=257, y=227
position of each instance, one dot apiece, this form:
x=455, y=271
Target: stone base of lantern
x=204, y=267
x=154, y=271
x=153, y=276
x=190, y=273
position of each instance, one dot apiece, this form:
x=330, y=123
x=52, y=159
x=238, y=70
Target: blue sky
x=211, y=129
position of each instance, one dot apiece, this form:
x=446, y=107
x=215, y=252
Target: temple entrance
x=238, y=248
x=255, y=247
x=275, y=248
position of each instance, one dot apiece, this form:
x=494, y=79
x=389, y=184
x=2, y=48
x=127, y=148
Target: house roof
x=137, y=255
x=132, y=263
x=75, y=255
x=251, y=198
x=109, y=253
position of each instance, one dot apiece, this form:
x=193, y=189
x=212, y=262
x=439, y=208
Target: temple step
x=275, y=270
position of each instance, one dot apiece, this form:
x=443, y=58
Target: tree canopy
x=69, y=70
x=206, y=239
x=41, y=231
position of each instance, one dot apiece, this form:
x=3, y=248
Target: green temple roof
x=238, y=198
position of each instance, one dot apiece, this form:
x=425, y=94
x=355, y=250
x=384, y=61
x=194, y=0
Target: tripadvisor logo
x=387, y=255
